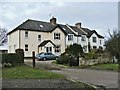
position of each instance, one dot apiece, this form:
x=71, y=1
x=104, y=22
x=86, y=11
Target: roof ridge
x=71, y=29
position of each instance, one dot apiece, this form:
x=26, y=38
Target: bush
x=73, y=61
x=91, y=55
x=13, y=58
x=64, y=58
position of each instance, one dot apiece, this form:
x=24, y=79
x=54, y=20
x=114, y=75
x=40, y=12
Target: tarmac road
x=97, y=77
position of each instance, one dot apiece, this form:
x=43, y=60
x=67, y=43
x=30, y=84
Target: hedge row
x=13, y=58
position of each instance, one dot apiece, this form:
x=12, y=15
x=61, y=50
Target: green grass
x=25, y=72
x=113, y=67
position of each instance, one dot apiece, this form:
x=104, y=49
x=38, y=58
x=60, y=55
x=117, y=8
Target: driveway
x=97, y=77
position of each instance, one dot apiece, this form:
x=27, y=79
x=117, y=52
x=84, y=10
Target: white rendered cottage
x=39, y=36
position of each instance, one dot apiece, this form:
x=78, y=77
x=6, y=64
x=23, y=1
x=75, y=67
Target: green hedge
x=13, y=58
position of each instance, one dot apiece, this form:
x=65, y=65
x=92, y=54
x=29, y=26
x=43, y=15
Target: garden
x=95, y=59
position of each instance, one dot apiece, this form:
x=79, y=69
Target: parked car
x=46, y=56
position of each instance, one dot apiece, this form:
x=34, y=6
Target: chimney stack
x=78, y=25
x=53, y=20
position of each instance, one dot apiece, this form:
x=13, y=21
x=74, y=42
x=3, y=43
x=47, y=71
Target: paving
x=107, y=78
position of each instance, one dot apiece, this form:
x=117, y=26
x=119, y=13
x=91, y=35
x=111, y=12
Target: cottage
x=40, y=36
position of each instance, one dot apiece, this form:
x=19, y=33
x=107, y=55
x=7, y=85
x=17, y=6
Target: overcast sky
x=99, y=16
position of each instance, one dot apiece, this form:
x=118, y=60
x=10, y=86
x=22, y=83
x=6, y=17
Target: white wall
x=33, y=42
x=97, y=44
x=13, y=41
x=84, y=43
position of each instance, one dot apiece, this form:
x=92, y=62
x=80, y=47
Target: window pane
x=57, y=36
x=94, y=39
x=26, y=34
x=39, y=37
x=26, y=47
x=83, y=38
x=70, y=37
x=57, y=49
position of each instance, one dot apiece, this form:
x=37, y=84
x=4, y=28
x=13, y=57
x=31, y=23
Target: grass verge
x=109, y=66
x=26, y=72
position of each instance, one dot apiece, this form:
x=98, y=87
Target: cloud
x=92, y=15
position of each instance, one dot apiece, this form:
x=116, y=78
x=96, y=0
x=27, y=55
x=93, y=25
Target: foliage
x=13, y=58
x=74, y=49
x=24, y=72
x=71, y=55
x=112, y=44
x=91, y=55
x=63, y=59
x=3, y=36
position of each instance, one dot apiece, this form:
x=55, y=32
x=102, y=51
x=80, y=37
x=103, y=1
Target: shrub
x=64, y=58
x=13, y=58
x=75, y=50
x=91, y=55
x=73, y=60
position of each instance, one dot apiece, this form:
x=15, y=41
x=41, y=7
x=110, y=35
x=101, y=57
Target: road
x=97, y=77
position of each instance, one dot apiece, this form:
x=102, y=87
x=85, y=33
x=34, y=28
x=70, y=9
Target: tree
x=75, y=50
x=112, y=44
x=3, y=36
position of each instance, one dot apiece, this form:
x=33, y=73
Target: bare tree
x=3, y=36
x=112, y=44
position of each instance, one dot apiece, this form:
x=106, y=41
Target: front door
x=49, y=49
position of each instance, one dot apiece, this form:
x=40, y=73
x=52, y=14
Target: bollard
x=33, y=54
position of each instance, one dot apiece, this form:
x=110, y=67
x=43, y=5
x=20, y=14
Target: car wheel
x=44, y=58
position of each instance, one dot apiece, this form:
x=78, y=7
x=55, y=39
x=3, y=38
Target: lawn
x=109, y=66
x=26, y=72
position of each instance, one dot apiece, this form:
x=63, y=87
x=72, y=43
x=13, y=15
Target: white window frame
x=57, y=36
x=26, y=34
x=26, y=47
x=100, y=42
x=39, y=38
x=85, y=48
x=58, y=49
x=83, y=38
x=94, y=39
x=70, y=37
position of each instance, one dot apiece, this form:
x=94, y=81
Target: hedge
x=13, y=58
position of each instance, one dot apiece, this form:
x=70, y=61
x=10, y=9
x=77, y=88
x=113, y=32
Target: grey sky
x=100, y=16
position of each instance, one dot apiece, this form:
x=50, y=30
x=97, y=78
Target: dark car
x=46, y=56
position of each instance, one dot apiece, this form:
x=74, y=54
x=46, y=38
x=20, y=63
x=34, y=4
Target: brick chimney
x=53, y=21
x=78, y=25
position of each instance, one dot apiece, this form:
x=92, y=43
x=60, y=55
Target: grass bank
x=26, y=72
x=108, y=66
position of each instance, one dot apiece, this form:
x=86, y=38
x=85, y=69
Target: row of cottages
x=41, y=36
